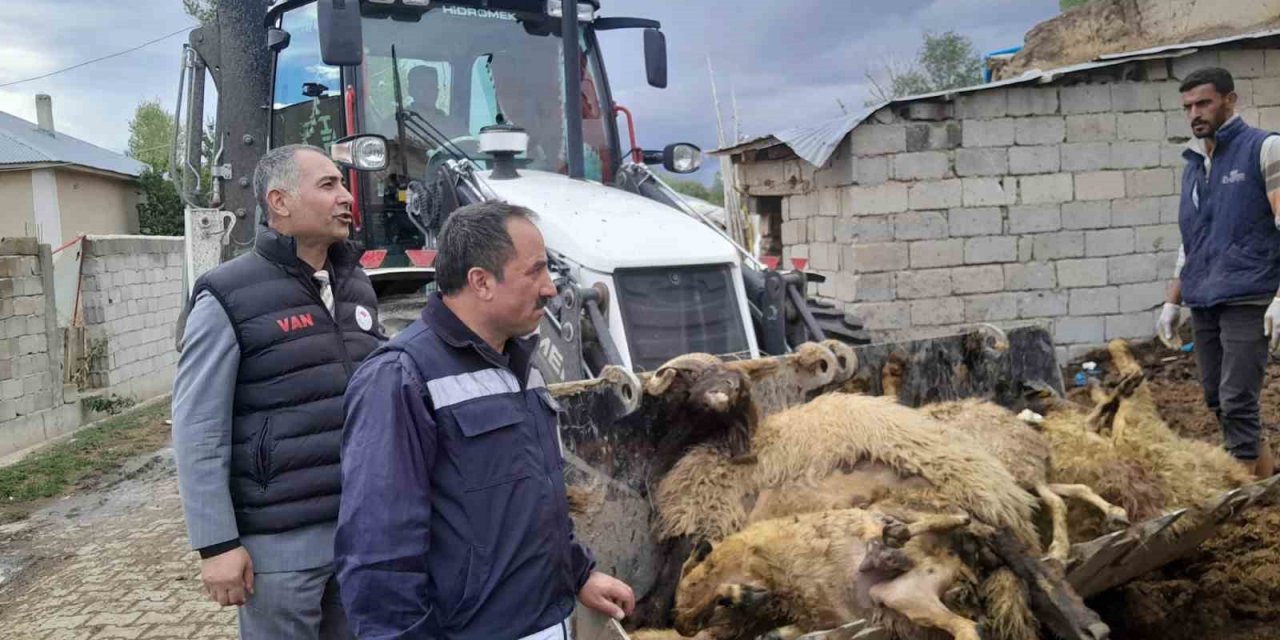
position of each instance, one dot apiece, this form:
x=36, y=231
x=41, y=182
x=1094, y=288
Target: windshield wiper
x=419, y=125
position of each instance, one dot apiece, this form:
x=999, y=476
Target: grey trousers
x=289, y=605
x=1231, y=352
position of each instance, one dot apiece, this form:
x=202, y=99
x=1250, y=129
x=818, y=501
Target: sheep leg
x=1116, y=516
x=1103, y=414
x=916, y=595
x=937, y=523
x=1060, y=546
x=896, y=533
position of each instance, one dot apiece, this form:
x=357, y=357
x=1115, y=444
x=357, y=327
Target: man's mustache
x=543, y=301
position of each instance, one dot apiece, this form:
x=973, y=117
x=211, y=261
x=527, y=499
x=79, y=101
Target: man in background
x=1228, y=269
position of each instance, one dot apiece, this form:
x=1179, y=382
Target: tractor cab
x=428, y=77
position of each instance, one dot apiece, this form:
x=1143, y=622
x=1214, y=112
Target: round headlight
x=370, y=153
x=367, y=152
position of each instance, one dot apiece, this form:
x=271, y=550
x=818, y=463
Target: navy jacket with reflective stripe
x=454, y=521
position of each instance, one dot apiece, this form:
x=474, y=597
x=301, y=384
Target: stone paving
x=110, y=565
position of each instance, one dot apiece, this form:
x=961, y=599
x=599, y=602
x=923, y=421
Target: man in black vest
x=1228, y=268
x=271, y=339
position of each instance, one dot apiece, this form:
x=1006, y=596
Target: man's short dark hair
x=475, y=236
x=1218, y=77
x=278, y=169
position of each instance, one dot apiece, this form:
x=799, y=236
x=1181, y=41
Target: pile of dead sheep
x=788, y=515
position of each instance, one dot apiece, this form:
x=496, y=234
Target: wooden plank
x=1095, y=560
x=1152, y=532
x=1150, y=549
x=1116, y=566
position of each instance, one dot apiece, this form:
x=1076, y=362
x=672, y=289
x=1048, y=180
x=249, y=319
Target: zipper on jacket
x=262, y=454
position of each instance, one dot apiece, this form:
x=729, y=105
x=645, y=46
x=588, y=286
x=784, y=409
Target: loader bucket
x=1112, y=560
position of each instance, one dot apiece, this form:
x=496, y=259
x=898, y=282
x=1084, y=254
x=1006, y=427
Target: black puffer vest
x=295, y=362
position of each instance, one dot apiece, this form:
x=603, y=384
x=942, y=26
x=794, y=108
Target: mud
x=1230, y=589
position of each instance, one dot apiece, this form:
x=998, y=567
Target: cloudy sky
x=789, y=62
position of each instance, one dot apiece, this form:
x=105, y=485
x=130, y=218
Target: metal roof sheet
x=816, y=142
x=22, y=142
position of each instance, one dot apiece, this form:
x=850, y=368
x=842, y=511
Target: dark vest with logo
x=1231, y=241
x=295, y=362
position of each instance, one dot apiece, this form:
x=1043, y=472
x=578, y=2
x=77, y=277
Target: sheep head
x=716, y=591
x=720, y=389
x=688, y=365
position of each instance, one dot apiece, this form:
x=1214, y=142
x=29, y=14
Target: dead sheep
x=844, y=450
x=852, y=438
x=818, y=571
x=703, y=400
x=1125, y=451
x=1027, y=454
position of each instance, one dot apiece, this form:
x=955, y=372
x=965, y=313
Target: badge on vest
x=1233, y=177
x=363, y=318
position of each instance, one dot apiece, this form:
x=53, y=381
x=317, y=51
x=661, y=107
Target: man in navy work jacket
x=1228, y=268
x=270, y=341
x=454, y=522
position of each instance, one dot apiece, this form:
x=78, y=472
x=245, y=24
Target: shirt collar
x=1196, y=145
x=283, y=250
x=516, y=356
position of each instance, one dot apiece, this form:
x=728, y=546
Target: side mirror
x=313, y=89
x=277, y=39
x=681, y=157
x=364, y=152
x=341, y=40
x=655, y=57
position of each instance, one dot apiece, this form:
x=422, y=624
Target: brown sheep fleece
x=805, y=571
x=826, y=435
x=706, y=497
x=1141, y=464
x=656, y=634
x=801, y=456
x=1017, y=445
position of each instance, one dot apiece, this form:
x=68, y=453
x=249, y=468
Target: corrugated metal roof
x=816, y=142
x=22, y=142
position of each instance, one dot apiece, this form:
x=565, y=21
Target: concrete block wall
x=1055, y=205
x=131, y=293
x=33, y=406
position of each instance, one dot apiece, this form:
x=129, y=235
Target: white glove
x=1270, y=321
x=1166, y=327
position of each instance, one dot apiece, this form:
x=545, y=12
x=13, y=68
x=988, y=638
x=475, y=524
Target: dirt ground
x=1230, y=589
